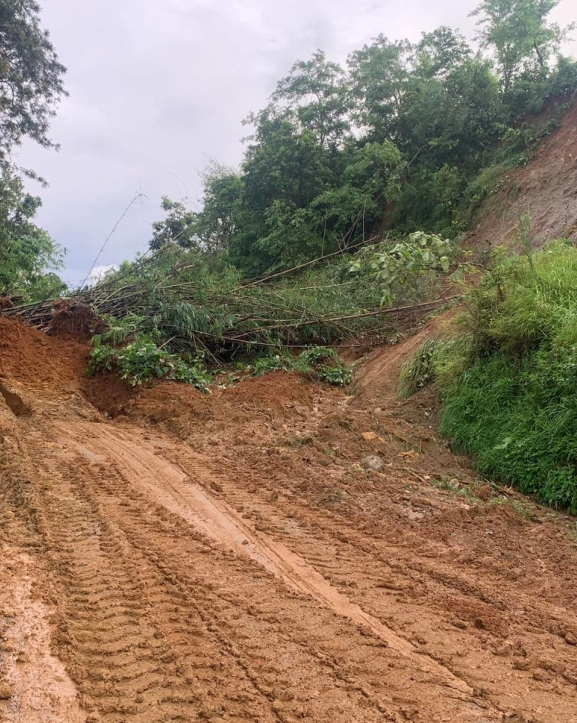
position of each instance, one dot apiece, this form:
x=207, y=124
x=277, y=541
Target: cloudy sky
x=160, y=87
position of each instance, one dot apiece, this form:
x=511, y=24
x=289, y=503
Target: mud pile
x=184, y=410
x=50, y=366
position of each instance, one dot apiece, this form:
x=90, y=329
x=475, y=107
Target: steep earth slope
x=229, y=557
x=546, y=189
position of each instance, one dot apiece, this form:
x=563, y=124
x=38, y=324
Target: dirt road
x=230, y=560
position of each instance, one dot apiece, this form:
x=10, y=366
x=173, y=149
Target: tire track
x=166, y=486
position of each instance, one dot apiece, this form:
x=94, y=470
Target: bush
x=518, y=417
x=142, y=360
x=509, y=380
x=320, y=361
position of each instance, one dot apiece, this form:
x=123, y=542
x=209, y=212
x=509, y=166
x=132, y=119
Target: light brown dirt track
x=227, y=558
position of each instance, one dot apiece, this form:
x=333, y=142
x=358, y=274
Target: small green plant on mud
x=419, y=370
x=320, y=361
x=142, y=361
x=339, y=376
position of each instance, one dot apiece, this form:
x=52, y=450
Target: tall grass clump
x=508, y=381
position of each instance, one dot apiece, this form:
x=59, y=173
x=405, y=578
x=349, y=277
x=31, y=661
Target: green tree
x=178, y=227
x=439, y=52
x=520, y=34
x=28, y=256
x=378, y=74
x=211, y=229
x=314, y=94
x=30, y=76
x=220, y=218
x=397, y=140
x=284, y=170
x=30, y=88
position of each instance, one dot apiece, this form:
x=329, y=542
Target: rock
x=410, y=454
x=5, y=690
x=571, y=639
x=373, y=462
x=504, y=650
x=371, y=437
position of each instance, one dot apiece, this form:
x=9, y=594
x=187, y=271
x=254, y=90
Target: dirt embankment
x=546, y=188
x=231, y=558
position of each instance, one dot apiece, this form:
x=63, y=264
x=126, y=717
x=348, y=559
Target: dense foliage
x=194, y=304
x=406, y=137
x=29, y=259
x=30, y=76
x=30, y=88
x=509, y=379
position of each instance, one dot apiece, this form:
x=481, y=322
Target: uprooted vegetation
x=177, y=313
x=508, y=378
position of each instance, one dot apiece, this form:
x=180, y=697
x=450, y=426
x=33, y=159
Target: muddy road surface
x=230, y=559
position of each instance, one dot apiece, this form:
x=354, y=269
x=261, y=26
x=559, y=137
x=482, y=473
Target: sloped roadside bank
x=507, y=374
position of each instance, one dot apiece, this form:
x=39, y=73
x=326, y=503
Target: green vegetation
x=30, y=77
x=183, y=304
x=509, y=380
x=139, y=358
x=404, y=264
x=30, y=88
x=321, y=363
x=420, y=370
x=406, y=137
x=356, y=184
x=29, y=258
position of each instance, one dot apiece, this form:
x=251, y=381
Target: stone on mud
x=373, y=462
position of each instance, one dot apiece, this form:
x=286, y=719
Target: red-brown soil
x=546, y=188
x=227, y=557
x=40, y=363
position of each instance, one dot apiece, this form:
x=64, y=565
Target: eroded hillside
x=546, y=189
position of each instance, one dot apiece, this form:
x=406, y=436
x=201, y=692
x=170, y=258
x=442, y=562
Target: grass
x=509, y=379
x=419, y=371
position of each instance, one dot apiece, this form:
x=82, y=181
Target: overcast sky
x=160, y=87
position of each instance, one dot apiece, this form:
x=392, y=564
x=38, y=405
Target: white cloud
x=99, y=272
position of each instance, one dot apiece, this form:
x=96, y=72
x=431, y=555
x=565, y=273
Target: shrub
x=320, y=361
x=142, y=360
x=419, y=371
x=509, y=381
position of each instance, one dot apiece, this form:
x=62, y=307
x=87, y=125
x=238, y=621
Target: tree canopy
x=31, y=84
x=395, y=140
x=31, y=77
x=520, y=35
x=29, y=258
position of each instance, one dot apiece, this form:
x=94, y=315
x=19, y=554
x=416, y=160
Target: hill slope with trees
x=405, y=137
